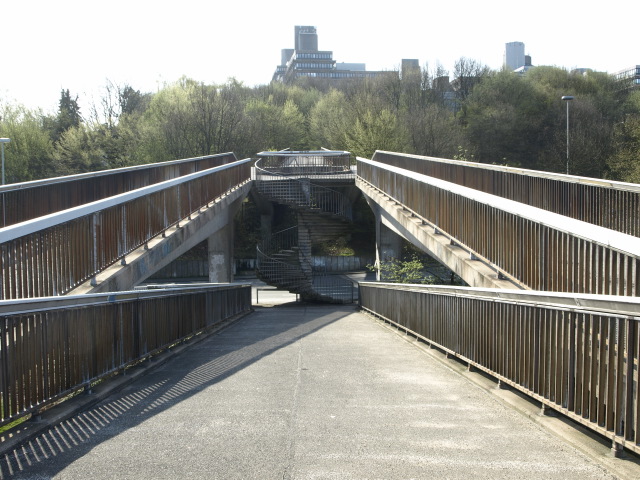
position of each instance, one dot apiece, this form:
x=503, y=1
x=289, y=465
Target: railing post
x=617, y=449
x=94, y=249
x=123, y=227
x=165, y=216
x=178, y=206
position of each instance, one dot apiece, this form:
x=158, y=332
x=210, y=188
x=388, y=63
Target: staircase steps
x=323, y=215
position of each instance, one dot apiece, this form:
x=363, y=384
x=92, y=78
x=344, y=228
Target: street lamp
x=567, y=98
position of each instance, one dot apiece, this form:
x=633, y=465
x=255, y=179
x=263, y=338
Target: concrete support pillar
x=220, y=245
x=221, y=255
x=388, y=242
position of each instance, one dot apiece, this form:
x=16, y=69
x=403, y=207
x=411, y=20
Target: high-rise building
x=514, y=57
x=410, y=66
x=305, y=60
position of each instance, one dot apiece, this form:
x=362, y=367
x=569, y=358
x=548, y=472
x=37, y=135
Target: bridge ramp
x=303, y=392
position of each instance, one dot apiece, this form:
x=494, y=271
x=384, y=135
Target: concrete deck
x=300, y=391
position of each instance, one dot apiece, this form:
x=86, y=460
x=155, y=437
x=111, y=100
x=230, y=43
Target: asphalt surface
x=300, y=391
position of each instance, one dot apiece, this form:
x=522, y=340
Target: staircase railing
x=283, y=240
x=300, y=192
x=320, y=164
x=281, y=274
x=272, y=265
x=333, y=286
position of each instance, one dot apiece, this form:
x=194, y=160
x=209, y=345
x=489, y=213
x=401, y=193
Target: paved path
x=303, y=392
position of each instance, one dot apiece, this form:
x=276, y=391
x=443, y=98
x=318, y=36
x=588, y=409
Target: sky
x=47, y=46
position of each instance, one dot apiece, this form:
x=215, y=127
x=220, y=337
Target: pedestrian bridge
x=552, y=259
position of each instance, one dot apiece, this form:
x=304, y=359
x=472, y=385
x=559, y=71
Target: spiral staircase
x=323, y=214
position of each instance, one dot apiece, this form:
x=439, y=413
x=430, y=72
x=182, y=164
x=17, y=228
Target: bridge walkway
x=310, y=391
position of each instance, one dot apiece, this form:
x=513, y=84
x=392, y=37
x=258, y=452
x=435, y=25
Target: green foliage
x=402, y=271
x=329, y=120
x=68, y=115
x=270, y=126
x=189, y=119
x=29, y=154
x=624, y=162
x=484, y=116
x=505, y=120
x=337, y=248
x=374, y=131
x=521, y=120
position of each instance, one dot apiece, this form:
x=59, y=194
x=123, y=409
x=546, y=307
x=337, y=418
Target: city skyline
x=48, y=46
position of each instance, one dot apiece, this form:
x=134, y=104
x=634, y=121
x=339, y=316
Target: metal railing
x=283, y=275
x=53, y=254
x=609, y=204
x=25, y=201
x=283, y=240
x=577, y=354
x=318, y=164
x=331, y=286
x=300, y=192
x=53, y=347
x=540, y=249
x=281, y=263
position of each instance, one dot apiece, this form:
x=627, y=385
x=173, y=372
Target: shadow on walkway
x=200, y=366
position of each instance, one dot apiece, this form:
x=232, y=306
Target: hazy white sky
x=48, y=45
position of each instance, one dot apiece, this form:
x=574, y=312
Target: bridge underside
x=213, y=221
x=463, y=262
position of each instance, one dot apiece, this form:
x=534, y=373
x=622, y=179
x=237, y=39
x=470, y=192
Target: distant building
x=515, y=58
x=514, y=55
x=628, y=78
x=305, y=60
x=410, y=66
x=581, y=71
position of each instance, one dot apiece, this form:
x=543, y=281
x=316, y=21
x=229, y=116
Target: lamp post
x=567, y=99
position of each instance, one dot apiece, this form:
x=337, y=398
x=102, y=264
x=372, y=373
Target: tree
x=131, y=101
x=329, y=120
x=80, y=150
x=68, y=115
x=374, y=131
x=29, y=155
x=274, y=127
x=467, y=74
x=593, y=114
x=428, y=120
x=190, y=118
x=229, y=116
x=433, y=131
x=505, y=120
x=624, y=160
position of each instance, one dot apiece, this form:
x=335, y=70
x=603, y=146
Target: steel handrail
x=47, y=221
x=54, y=254
x=607, y=203
x=24, y=201
x=54, y=347
x=578, y=356
x=541, y=250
